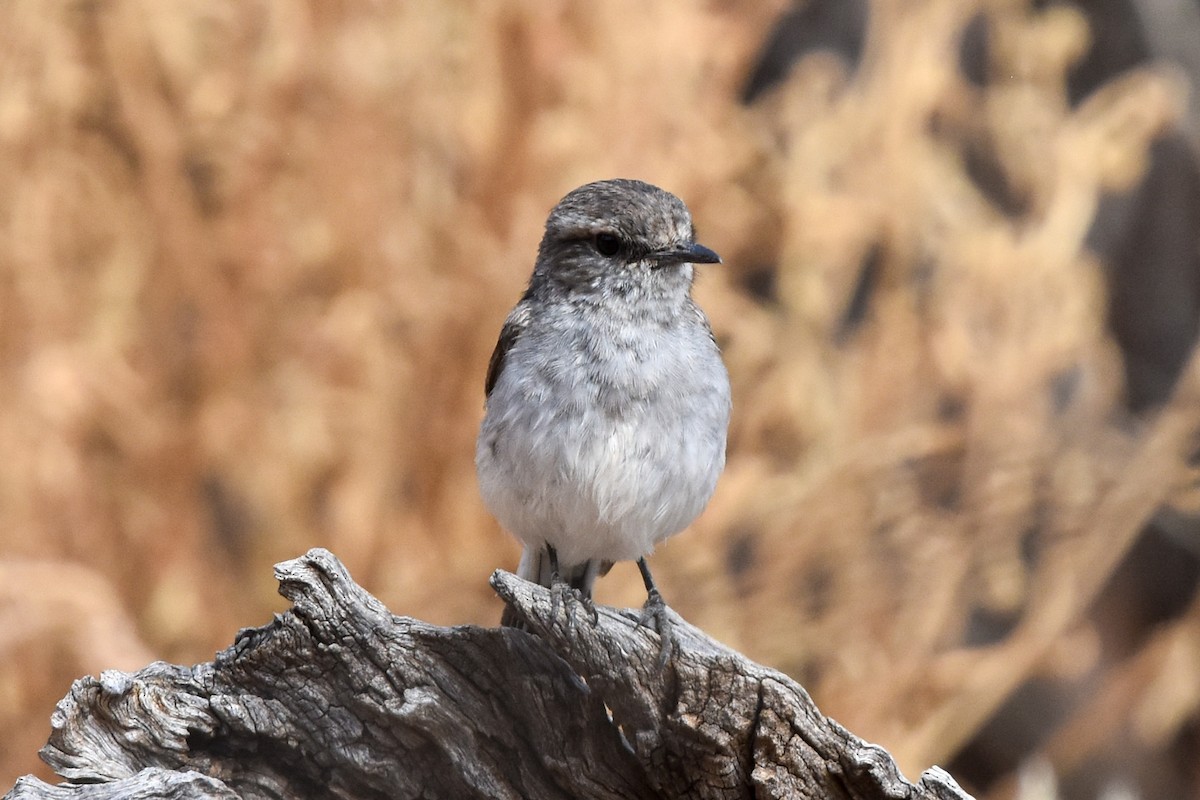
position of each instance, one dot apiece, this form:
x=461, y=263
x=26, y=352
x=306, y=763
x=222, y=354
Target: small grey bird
x=607, y=400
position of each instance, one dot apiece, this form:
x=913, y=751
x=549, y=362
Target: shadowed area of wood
x=339, y=697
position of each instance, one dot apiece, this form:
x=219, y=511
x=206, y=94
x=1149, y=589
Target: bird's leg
x=552, y=557
x=656, y=609
x=561, y=591
x=583, y=583
x=555, y=579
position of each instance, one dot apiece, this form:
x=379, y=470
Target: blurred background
x=254, y=256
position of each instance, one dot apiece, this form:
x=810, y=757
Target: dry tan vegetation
x=254, y=256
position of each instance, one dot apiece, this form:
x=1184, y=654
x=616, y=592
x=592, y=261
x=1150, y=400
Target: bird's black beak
x=687, y=254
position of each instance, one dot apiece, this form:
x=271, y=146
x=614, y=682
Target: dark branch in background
x=338, y=697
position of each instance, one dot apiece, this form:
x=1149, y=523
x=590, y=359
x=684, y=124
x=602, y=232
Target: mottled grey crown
x=636, y=209
x=601, y=227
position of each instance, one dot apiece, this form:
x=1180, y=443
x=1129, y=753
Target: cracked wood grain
x=339, y=697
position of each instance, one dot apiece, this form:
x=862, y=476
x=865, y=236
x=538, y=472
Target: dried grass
x=254, y=255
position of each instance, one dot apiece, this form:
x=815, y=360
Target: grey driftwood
x=338, y=697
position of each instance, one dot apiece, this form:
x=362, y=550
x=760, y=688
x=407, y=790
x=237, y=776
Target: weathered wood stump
x=339, y=697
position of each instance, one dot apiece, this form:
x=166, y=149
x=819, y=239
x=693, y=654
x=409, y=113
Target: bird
x=607, y=400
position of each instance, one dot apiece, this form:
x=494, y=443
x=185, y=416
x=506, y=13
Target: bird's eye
x=607, y=244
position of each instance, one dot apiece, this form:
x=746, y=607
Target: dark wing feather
x=514, y=326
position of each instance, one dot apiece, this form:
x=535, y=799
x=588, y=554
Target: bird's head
x=620, y=235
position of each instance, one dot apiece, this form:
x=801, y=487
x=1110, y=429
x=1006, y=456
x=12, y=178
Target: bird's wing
x=699, y=315
x=514, y=326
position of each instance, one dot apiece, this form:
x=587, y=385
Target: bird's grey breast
x=624, y=368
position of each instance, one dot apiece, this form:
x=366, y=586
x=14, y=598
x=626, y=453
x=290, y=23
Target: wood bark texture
x=338, y=697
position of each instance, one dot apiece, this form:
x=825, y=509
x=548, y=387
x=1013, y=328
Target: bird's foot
x=557, y=584
x=589, y=605
x=655, y=611
x=557, y=588
x=565, y=596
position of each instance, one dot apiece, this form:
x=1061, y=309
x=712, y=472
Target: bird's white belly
x=604, y=477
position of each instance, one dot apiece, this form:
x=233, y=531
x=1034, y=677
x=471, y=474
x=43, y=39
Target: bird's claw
x=556, y=588
x=589, y=605
x=655, y=610
x=567, y=597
